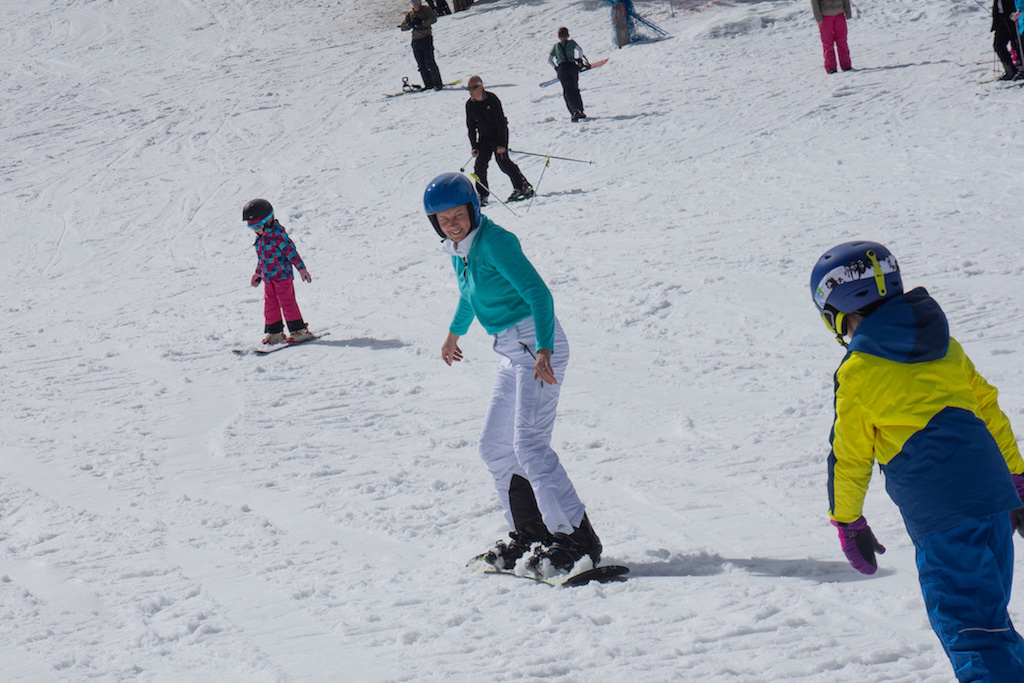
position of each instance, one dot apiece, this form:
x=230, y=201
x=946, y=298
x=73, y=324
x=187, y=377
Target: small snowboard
x=602, y=574
x=268, y=349
x=408, y=87
x=593, y=65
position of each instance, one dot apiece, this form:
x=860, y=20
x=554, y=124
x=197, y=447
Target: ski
x=408, y=88
x=603, y=574
x=266, y=351
x=596, y=64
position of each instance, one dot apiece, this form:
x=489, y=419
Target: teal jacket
x=499, y=287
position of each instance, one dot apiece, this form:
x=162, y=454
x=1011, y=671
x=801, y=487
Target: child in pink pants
x=276, y=255
x=831, y=16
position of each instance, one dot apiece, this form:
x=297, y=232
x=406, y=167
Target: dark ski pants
x=507, y=166
x=966, y=573
x=423, y=50
x=569, y=76
x=1005, y=38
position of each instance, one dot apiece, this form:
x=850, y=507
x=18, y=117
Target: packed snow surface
x=170, y=511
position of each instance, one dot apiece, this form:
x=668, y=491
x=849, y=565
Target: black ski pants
x=507, y=166
x=569, y=76
x=1005, y=38
x=423, y=50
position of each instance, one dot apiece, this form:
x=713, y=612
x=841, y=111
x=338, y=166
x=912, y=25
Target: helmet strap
x=437, y=226
x=836, y=323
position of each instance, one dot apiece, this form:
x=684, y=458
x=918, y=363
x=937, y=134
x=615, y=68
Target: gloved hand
x=256, y=279
x=859, y=545
x=304, y=274
x=1017, y=516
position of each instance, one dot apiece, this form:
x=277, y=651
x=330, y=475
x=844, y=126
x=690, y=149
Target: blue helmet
x=447, y=191
x=853, y=277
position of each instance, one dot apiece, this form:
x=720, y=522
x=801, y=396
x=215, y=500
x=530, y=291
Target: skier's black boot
x=505, y=554
x=565, y=550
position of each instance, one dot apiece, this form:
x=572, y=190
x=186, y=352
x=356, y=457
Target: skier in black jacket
x=488, y=134
x=1004, y=23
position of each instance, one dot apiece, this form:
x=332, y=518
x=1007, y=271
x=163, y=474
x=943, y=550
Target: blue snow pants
x=966, y=573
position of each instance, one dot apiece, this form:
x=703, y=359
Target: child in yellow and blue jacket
x=908, y=396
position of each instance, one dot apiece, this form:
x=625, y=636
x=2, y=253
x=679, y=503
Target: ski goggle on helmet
x=257, y=213
x=447, y=191
x=850, y=278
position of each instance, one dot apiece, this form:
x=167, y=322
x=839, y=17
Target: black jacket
x=486, y=122
x=997, y=16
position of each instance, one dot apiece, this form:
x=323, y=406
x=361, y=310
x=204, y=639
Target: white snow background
x=172, y=512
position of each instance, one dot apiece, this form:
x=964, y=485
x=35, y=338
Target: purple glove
x=1017, y=516
x=859, y=544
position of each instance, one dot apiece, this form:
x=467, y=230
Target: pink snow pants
x=278, y=297
x=833, y=32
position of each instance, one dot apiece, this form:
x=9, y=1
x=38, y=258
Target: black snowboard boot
x=565, y=550
x=505, y=554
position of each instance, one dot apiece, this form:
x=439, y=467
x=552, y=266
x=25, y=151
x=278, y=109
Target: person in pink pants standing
x=277, y=255
x=831, y=16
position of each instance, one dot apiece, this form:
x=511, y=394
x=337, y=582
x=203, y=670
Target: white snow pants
x=516, y=437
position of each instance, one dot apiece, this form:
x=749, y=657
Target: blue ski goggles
x=256, y=226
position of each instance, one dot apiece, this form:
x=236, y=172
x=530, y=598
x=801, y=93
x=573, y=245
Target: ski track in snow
x=169, y=511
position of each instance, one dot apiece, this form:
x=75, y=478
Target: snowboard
x=593, y=65
x=262, y=350
x=602, y=574
x=408, y=87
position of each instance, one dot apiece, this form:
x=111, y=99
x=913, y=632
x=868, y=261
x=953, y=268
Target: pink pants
x=278, y=297
x=833, y=32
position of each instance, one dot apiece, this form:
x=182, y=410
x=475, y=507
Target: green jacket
x=419, y=21
x=828, y=8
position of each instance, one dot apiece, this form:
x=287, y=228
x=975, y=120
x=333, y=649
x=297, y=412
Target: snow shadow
x=706, y=564
x=625, y=117
x=902, y=66
x=363, y=343
x=562, y=193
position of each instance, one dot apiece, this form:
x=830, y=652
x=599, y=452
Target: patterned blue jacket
x=276, y=253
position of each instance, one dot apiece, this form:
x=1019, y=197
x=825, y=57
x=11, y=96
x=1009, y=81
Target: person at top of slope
x=1006, y=39
x=276, y=255
x=488, y=134
x=499, y=287
x=566, y=57
x=418, y=20
x=908, y=396
x=831, y=16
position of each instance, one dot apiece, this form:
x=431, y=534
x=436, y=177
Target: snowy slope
x=169, y=511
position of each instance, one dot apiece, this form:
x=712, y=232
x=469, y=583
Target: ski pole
x=463, y=169
x=473, y=176
x=547, y=161
x=549, y=156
